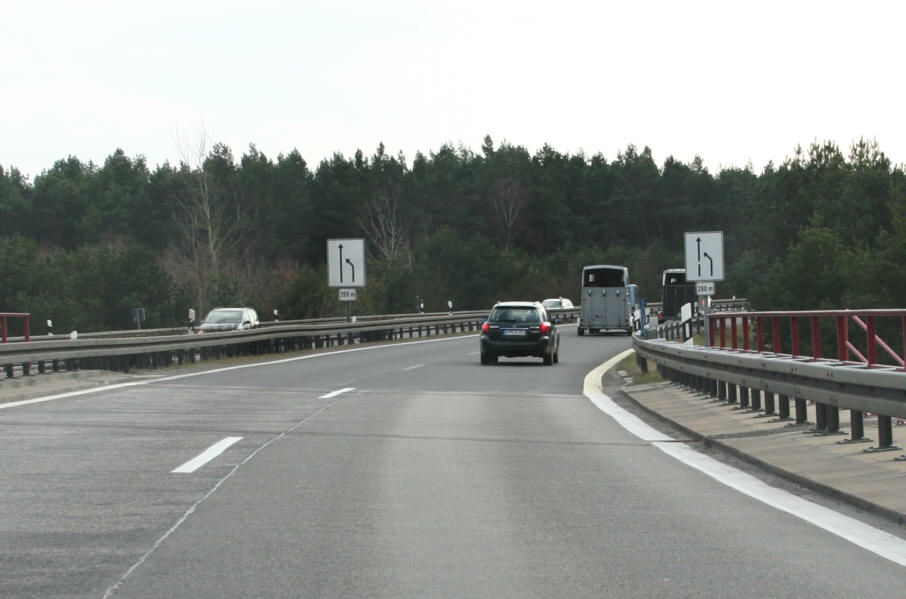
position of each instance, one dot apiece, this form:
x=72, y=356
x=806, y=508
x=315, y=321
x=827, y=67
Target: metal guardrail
x=126, y=353
x=185, y=330
x=752, y=373
x=156, y=348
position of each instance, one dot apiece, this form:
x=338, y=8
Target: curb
x=825, y=490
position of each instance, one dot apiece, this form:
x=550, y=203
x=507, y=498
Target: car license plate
x=514, y=332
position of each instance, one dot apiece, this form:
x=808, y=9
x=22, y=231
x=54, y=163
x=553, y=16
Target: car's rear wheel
x=488, y=358
x=548, y=359
x=581, y=331
x=557, y=357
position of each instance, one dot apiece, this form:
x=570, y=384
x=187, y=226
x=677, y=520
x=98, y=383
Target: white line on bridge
x=868, y=537
x=413, y=367
x=176, y=377
x=206, y=456
x=333, y=394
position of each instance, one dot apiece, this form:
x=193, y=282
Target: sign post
x=705, y=256
x=704, y=264
x=346, y=268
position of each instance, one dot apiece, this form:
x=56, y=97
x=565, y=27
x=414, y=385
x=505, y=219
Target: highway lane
x=429, y=476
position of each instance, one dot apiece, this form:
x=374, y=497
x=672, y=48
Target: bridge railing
x=766, y=360
x=804, y=333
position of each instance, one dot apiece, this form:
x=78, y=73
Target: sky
x=735, y=83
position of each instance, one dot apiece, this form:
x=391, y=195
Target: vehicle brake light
x=545, y=328
x=485, y=327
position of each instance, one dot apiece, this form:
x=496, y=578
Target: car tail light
x=485, y=327
x=545, y=328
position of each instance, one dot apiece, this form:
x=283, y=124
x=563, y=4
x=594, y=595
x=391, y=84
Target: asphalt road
x=427, y=476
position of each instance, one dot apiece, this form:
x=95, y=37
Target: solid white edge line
x=163, y=379
x=206, y=456
x=333, y=394
x=868, y=537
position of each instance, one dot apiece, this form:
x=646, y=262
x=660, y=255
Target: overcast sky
x=732, y=82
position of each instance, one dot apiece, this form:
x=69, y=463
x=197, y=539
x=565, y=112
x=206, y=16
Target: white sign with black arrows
x=346, y=262
x=705, y=256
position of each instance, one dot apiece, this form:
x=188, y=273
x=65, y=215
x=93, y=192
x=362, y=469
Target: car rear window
x=515, y=314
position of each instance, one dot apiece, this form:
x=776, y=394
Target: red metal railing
x=768, y=335
x=5, y=315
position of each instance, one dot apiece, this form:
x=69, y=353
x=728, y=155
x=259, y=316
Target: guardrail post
x=833, y=419
x=743, y=397
x=801, y=411
x=820, y=417
x=731, y=393
x=784, y=407
x=885, y=435
x=769, y=403
x=755, y=399
x=9, y=371
x=857, y=426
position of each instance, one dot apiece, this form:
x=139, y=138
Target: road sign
x=346, y=262
x=347, y=295
x=705, y=256
x=704, y=288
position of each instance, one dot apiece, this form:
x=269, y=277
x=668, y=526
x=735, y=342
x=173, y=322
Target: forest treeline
x=84, y=244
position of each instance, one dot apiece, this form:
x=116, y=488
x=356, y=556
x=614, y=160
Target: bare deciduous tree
x=509, y=197
x=384, y=226
x=210, y=218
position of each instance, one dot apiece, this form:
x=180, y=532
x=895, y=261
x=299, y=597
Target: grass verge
x=632, y=368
